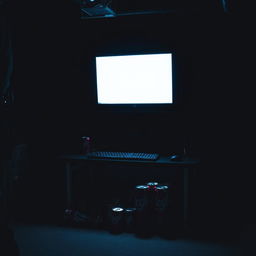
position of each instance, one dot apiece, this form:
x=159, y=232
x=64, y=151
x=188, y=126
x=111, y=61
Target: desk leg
x=68, y=183
x=185, y=198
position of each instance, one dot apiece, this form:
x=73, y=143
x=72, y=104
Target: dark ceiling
x=160, y=5
x=101, y=8
x=137, y=7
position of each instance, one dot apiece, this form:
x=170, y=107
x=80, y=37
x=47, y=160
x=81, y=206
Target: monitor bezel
x=141, y=107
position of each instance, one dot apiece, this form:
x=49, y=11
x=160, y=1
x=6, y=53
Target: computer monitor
x=141, y=82
x=136, y=99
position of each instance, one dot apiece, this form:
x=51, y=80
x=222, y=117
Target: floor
x=50, y=240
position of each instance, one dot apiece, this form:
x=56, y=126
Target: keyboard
x=123, y=155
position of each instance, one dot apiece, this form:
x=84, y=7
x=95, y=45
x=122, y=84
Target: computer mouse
x=176, y=158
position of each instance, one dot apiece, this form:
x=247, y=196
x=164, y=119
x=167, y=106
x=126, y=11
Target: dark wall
x=53, y=77
x=125, y=35
x=46, y=49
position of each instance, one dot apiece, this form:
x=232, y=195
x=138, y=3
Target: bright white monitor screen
x=135, y=79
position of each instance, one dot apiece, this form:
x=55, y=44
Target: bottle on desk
x=86, y=145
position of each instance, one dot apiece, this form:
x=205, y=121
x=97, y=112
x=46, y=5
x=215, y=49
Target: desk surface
x=161, y=161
